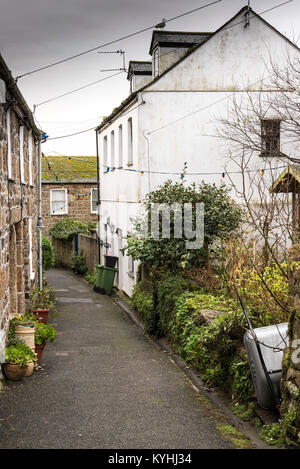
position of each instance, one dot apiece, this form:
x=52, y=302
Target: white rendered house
x=171, y=115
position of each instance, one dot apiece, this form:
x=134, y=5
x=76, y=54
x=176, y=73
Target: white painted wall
x=200, y=85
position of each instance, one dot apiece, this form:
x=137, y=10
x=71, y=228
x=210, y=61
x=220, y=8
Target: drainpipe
x=40, y=223
x=98, y=198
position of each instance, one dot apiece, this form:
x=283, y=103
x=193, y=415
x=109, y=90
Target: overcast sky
x=34, y=33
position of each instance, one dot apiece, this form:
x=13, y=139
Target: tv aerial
x=122, y=53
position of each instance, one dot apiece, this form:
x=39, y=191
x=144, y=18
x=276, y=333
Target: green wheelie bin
x=107, y=279
x=99, y=276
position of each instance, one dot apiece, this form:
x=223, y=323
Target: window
x=112, y=149
x=58, y=201
x=130, y=146
x=9, y=163
x=120, y=146
x=31, y=272
x=155, y=62
x=270, y=137
x=94, y=200
x=130, y=267
x=105, y=153
x=131, y=83
x=21, y=143
x=30, y=157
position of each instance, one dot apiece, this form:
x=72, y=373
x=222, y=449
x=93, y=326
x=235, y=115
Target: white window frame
x=30, y=157
x=21, y=144
x=61, y=212
x=112, y=148
x=120, y=135
x=156, y=62
x=94, y=191
x=130, y=142
x=31, y=271
x=8, y=131
x=105, y=151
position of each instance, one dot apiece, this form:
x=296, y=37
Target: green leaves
x=44, y=333
x=48, y=253
x=67, y=228
x=20, y=354
x=221, y=218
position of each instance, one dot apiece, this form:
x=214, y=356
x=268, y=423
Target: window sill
x=265, y=154
x=58, y=214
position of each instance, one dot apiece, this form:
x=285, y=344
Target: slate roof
x=79, y=169
x=177, y=38
x=137, y=67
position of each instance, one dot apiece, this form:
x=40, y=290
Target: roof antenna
x=247, y=16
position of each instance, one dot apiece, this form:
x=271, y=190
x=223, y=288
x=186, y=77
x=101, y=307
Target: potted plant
x=17, y=359
x=23, y=327
x=41, y=301
x=43, y=334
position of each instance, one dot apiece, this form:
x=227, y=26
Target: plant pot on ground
x=17, y=359
x=43, y=334
x=41, y=302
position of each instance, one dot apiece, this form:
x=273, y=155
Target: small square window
x=58, y=201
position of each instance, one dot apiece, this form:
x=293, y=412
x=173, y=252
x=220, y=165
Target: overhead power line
x=75, y=90
x=53, y=64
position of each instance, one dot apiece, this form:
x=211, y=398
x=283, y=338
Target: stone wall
x=290, y=384
x=78, y=209
x=65, y=250
x=18, y=204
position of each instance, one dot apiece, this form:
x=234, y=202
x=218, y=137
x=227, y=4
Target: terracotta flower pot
x=13, y=372
x=41, y=315
x=39, y=352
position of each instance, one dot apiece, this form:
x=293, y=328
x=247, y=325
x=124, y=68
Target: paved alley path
x=103, y=385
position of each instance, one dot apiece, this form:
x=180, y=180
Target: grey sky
x=34, y=33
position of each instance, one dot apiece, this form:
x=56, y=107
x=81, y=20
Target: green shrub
x=20, y=354
x=79, y=264
x=48, y=253
x=168, y=290
x=142, y=301
x=44, y=333
x=91, y=278
x=66, y=229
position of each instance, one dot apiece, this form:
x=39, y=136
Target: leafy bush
x=48, y=253
x=265, y=293
x=20, y=354
x=221, y=218
x=215, y=348
x=44, y=333
x=79, y=264
x=168, y=290
x=66, y=229
x=42, y=299
x=91, y=278
x=143, y=303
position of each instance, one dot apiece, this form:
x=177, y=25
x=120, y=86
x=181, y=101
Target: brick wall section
x=77, y=209
x=18, y=202
x=290, y=384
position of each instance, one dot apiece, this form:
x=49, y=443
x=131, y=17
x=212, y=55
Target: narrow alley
x=103, y=384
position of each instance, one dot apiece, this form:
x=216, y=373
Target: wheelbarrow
x=265, y=347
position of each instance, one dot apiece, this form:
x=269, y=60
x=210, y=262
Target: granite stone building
x=19, y=182
x=69, y=189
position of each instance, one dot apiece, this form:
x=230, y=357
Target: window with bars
x=270, y=137
x=94, y=200
x=130, y=143
x=58, y=201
